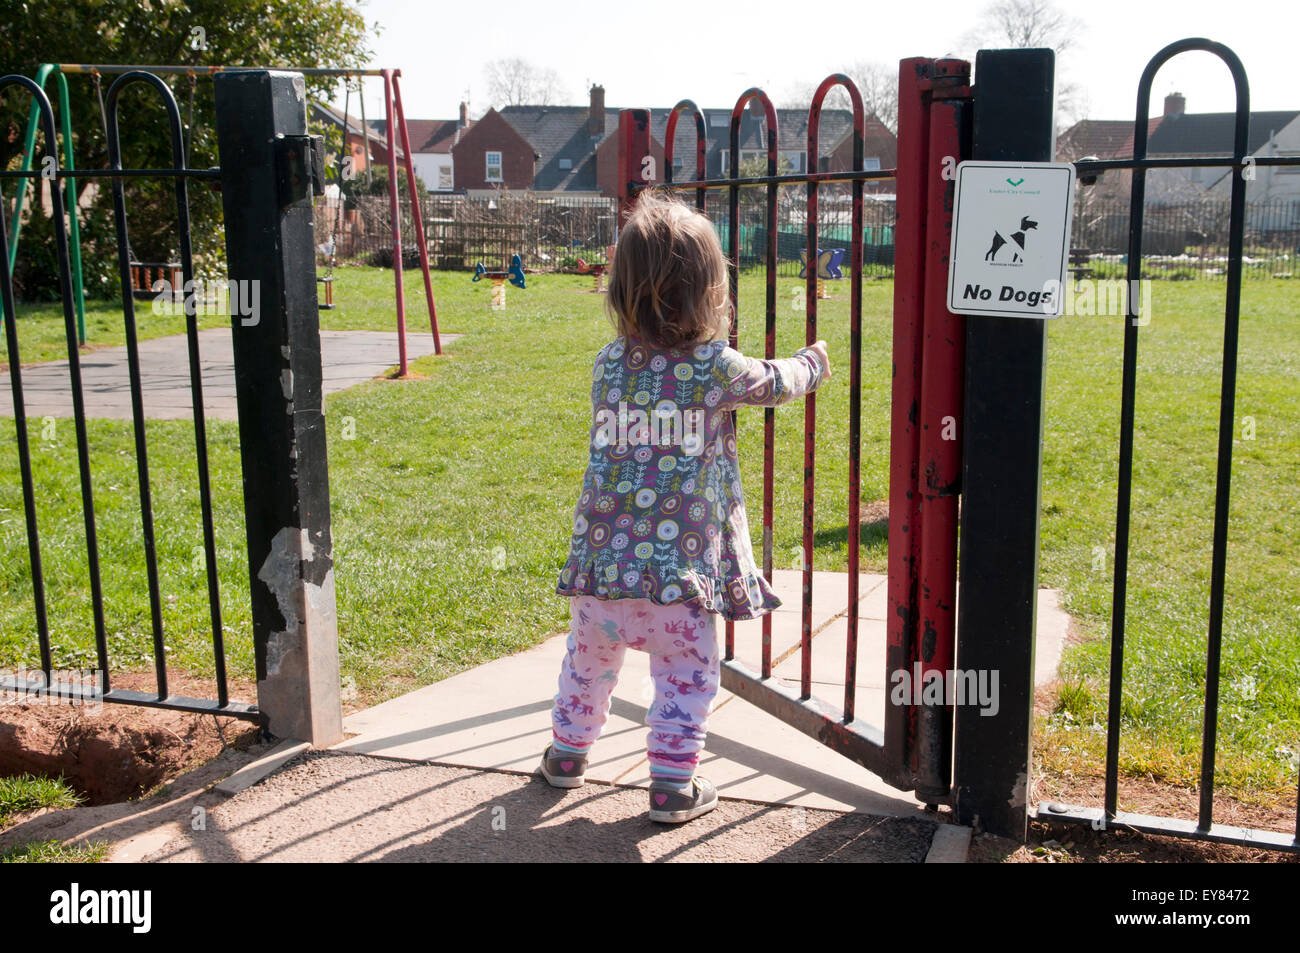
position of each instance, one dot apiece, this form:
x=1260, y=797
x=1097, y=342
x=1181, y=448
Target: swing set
x=395, y=125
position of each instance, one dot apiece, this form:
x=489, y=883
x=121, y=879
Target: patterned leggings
x=681, y=641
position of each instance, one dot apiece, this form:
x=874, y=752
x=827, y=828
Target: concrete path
x=497, y=716
x=447, y=773
x=347, y=357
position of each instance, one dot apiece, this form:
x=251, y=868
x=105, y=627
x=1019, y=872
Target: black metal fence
x=270, y=169
x=1237, y=230
x=118, y=177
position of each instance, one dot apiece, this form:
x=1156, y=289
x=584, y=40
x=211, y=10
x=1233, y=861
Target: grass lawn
x=26, y=793
x=453, y=496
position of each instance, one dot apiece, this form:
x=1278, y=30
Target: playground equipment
x=395, y=125
x=514, y=274
x=69, y=188
x=145, y=273
x=828, y=267
x=597, y=271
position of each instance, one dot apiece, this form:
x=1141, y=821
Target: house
x=1106, y=139
x=431, y=143
x=574, y=149
x=493, y=155
x=1274, y=133
x=364, y=146
x=1179, y=134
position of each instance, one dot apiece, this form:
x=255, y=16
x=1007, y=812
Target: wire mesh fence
x=550, y=233
x=1185, y=240
x=1182, y=240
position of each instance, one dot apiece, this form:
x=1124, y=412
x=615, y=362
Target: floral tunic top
x=662, y=515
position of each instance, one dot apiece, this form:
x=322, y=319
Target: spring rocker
x=597, y=270
x=828, y=268
x=514, y=274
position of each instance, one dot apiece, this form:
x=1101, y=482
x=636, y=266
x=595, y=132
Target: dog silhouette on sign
x=1017, y=239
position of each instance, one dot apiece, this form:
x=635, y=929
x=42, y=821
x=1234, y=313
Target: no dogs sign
x=1010, y=238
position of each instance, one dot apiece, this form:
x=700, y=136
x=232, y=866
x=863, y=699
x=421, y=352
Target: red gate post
x=633, y=150
x=940, y=422
x=417, y=213
x=1001, y=474
x=396, y=210
x=909, y=249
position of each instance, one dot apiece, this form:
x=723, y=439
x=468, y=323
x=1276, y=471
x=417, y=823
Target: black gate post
x=1001, y=470
x=267, y=178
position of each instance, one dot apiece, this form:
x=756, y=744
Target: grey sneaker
x=563, y=770
x=672, y=807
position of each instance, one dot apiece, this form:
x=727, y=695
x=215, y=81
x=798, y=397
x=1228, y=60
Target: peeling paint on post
x=270, y=241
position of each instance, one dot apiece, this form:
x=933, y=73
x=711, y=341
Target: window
x=444, y=178
x=493, y=173
x=566, y=164
x=746, y=155
x=794, y=160
x=871, y=164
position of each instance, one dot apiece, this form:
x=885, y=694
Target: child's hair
x=668, y=281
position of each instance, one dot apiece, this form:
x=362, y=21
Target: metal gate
x=268, y=224
x=912, y=749
x=986, y=378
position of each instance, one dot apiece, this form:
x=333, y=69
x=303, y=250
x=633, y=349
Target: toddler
x=660, y=540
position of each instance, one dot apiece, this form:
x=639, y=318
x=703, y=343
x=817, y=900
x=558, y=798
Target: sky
x=645, y=59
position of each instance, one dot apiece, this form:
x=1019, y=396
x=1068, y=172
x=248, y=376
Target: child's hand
x=823, y=358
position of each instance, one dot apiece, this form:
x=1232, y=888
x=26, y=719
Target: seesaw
x=514, y=274
x=828, y=267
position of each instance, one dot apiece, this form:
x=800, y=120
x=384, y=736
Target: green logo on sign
x=1016, y=182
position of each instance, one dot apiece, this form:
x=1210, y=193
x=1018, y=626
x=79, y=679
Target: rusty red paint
x=942, y=370
x=701, y=147
x=810, y=408
x=417, y=218
x=397, y=223
x=909, y=245
x=634, y=146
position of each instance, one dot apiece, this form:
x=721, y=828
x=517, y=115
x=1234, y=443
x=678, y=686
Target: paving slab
x=347, y=358
x=497, y=715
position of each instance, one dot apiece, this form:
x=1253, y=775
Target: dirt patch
x=1052, y=843
x=112, y=752
x=874, y=515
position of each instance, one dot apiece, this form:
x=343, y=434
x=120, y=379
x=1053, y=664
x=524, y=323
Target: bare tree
x=517, y=82
x=877, y=82
x=1026, y=24
x=1032, y=23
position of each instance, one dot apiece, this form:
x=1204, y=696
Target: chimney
x=1175, y=105
x=464, y=115
x=596, y=120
